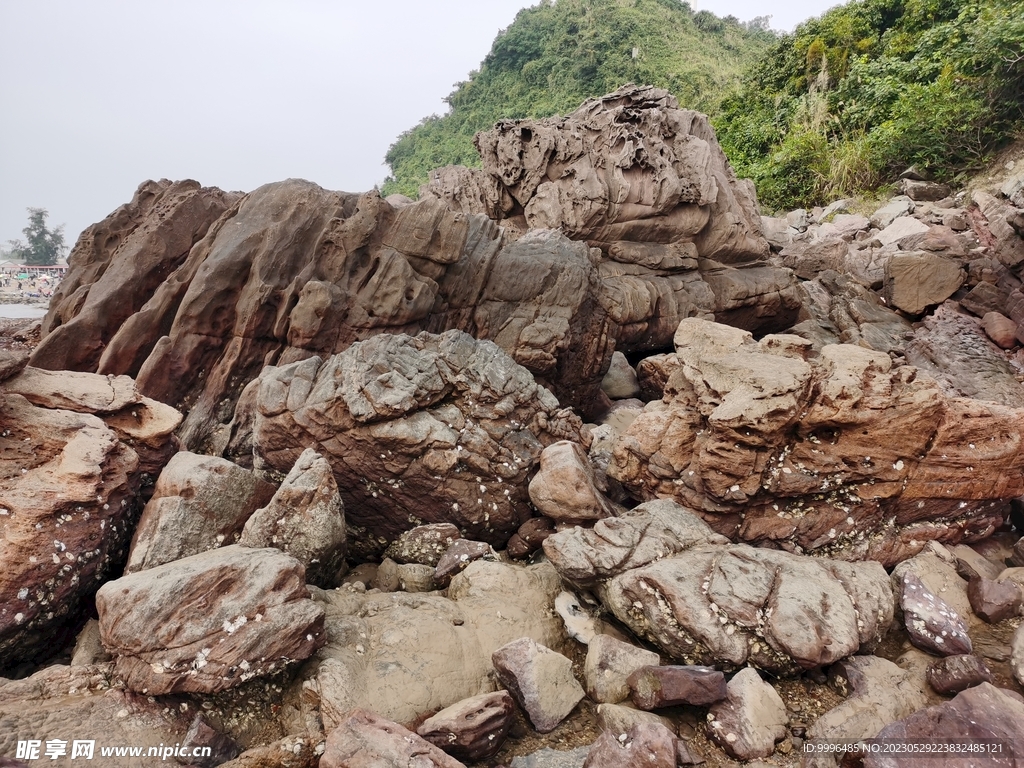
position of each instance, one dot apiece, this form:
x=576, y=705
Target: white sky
x=99, y=96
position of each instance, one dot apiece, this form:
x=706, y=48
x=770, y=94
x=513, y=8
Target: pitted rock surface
x=209, y=622
x=933, y=625
x=70, y=484
x=304, y=519
x=417, y=430
x=473, y=729
x=731, y=605
x=838, y=453
x=952, y=674
x=424, y=544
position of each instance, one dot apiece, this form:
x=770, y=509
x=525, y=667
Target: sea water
x=19, y=311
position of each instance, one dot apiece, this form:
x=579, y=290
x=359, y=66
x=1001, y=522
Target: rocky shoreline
x=577, y=451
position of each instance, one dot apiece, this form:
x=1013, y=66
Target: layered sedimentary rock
x=424, y=429
x=292, y=270
x=75, y=452
x=838, y=452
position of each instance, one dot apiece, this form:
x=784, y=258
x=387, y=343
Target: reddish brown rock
x=564, y=489
x=365, y=739
x=931, y=622
x=304, y=519
x=474, y=729
x=198, y=503
x=646, y=745
x=458, y=557
x=838, y=453
x=994, y=600
x=70, y=488
x=1001, y=329
x=978, y=715
x=530, y=536
x=540, y=680
x=670, y=686
x=953, y=674
x=209, y=622
x=443, y=428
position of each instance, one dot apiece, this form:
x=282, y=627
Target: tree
x=44, y=245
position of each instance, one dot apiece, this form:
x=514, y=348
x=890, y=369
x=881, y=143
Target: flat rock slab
x=609, y=664
x=670, y=686
x=916, y=281
x=540, y=680
x=209, y=622
x=751, y=719
x=364, y=739
x=931, y=622
x=473, y=729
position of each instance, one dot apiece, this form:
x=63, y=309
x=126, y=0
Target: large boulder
x=209, y=622
x=838, y=453
x=423, y=429
x=76, y=452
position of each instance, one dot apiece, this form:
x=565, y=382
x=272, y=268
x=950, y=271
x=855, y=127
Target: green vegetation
x=851, y=99
x=44, y=245
x=557, y=54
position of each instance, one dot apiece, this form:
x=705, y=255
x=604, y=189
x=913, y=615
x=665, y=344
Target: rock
x=841, y=309
x=118, y=263
x=970, y=563
x=579, y=622
x=198, y=503
x=540, y=680
x=1017, y=654
x=990, y=221
x=530, y=536
x=424, y=544
x=89, y=648
x=899, y=230
x=248, y=614
x=634, y=538
x=774, y=445
x=877, y=693
x=655, y=687
x=445, y=428
x=609, y=664
x=646, y=745
x=71, y=485
x=751, y=719
x=953, y=674
x=299, y=751
x=888, y=213
x=937, y=567
x=407, y=577
x=552, y=758
x=977, y=714
x=931, y=622
x=1013, y=189
x=80, y=703
x=653, y=374
x=984, y=298
x=366, y=739
x=620, y=382
x=731, y=605
x=1001, y=329
x=12, y=362
x=473, y=729
x=457, y=557
x=994, y=600
x=618, y=718
x=924, y=190
x=304, y=519
x=565, y=488
x=201, y=735
x=953, y=349
x=407, y=656
x=916, y=281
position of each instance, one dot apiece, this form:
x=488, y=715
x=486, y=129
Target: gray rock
x=199, y=503
x=248, y=614
x=620, y=382
x=366, y=739
x=888, y=213
x=645, y=745
x=1013, y=189
x=1017, y=654
x=619, y=718
x=304, y=519
x=609, y=664
x=924, y=191
x=89, y=647
x=751, y=719
x=552, y=758
x=540, y=680
x=404, y=577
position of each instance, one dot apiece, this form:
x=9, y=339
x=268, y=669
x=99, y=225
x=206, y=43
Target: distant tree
x=44, y=246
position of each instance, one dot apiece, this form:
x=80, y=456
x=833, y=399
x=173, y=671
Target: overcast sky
x=99, y=96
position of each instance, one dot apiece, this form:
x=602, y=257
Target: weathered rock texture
x=198, y=503
x=305, y=519
x=473, y=729
x=838, y=453
x=417, y=430
x=75, y=452
x=226, y=285
x=366, y=739
x=539, y=679
x=209, y=622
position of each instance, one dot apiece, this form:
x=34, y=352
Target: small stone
x=645, y=745
x=931, y=622
x=473, y=729
x=654, y=687
x=620, y=383
x=423, y=544
x=609, y=664
x=953, y=674
x=366, y=739
x=540, y=680
x=994, y=600
x=751, y=719
x=459, y=555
